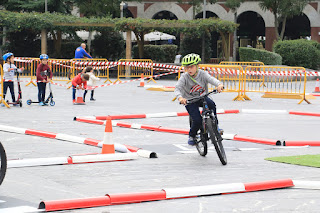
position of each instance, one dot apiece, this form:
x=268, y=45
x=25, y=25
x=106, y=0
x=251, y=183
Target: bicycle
x=209, y=130
x=3, y=163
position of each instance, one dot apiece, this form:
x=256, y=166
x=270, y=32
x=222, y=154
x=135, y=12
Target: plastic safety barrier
x=135, y=68
x=241, y=63
x=101, y=65
x=230, y=76
x=276, y=82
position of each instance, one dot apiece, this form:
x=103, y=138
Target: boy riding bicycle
x=194, y=83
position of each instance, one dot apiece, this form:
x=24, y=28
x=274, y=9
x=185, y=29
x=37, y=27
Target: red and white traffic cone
x=141, y=81
x=317, y=88
x=79, y=97
x=107, y=145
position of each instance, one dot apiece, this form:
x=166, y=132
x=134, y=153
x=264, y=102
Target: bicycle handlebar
x=193, y=100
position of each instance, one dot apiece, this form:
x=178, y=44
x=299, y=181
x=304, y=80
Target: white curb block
x=103, y=157
x=204, y=190
x=37, y=162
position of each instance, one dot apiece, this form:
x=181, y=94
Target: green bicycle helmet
x=191, y=59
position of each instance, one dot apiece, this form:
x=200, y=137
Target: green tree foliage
x=99, y=8
x=190, y=44
x=282, y=10
x=62, y=6
x=109, y=44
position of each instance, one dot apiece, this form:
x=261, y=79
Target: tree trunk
x=235, y=39
x=57, y=43
x=140, y=41
x=225, y=46
x=283, y=29
x=89, y=41
x=276, y=24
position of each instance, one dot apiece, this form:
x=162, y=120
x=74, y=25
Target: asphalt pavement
x=177, y=165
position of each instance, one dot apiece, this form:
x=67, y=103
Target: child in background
x=44, y=75
x=92, y=82
x=79, y=82
x=8, y=75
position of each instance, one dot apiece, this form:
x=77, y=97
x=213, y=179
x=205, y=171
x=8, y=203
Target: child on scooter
x=44, y=75
x=92, y=82
x=8, y=77
x=193, y=83
x=79, y=82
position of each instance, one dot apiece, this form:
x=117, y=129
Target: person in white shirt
x=92, y=82
x=8, y=77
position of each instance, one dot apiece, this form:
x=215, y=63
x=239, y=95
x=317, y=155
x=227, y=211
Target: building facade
x=255, y=23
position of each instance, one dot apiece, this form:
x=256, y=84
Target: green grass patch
x=302, y=160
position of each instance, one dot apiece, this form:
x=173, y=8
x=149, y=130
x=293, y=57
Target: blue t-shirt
x=81, y=53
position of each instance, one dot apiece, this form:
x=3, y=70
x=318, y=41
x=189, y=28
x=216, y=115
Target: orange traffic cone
x=317, y=89
x=141, y=81
x=107, y=145
x=79, y=97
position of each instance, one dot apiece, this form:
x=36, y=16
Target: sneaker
x=74, y=101
x=41, y=104
x=45, y=104
x=3, y=105
x=92, y=99
x=191, y=141
x=221, y=131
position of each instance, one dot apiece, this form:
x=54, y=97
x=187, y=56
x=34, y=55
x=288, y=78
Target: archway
x=251, y=31
x=297, y=27
x=209, y=14
x=165, y=15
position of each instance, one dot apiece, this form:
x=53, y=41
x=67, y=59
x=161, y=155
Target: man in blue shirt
x=81, y=52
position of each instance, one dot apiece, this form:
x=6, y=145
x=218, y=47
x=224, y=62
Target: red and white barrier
x=37, y=162
x=76, y=159
x=165, y=194
x=88, y=141
x=305, y=113
x=301, y=143
x=152, y=115
x=179, y=131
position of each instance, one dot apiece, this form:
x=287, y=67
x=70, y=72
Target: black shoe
x=92, y=99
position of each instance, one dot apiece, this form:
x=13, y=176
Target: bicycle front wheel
x=3, y=163
x=213, y=131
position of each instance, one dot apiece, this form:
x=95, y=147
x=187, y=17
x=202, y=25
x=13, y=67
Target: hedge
x=252, y=54
x=299, y=52
x=158, y=53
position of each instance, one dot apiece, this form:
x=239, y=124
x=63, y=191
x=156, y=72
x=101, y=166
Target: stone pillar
x=315, y=33
x=231, y=47
x=270, y=37
x=43, y=41
x=128, y=45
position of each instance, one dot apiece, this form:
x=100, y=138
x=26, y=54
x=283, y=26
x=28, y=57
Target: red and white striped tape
x=176, y=193
x=88, y=141
x=218, y=70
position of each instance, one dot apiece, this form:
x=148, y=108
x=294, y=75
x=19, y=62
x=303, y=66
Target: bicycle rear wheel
x=201, y=145
x=3, y=163
x=213, y=132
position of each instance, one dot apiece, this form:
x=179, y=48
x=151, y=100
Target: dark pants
x=9, y=84
x=74, y=92
x=41, y=91
x=85, y=93
x=194, y=112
